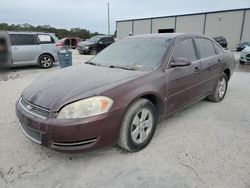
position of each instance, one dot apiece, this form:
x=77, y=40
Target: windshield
x=94, y=39
x=133, y=53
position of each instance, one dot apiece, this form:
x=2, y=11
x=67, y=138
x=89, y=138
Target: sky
x=92, y=14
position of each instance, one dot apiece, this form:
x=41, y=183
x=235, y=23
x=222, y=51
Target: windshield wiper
x=92, y=63
x=121, y=67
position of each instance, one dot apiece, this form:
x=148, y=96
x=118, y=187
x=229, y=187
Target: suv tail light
x=59, y=44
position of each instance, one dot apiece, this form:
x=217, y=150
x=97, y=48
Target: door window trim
x=171, y=56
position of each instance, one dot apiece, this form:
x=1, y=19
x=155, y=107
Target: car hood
x=246, y=49
x=74, y=83
x=85, y=43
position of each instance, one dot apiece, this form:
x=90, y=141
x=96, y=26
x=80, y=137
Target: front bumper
x=245, y=57
x=71, y=135
x=82, y=49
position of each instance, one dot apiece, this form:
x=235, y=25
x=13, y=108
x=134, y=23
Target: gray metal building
x=232, y=24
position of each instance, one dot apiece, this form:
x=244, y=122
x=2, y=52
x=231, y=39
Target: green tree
x=60, y=33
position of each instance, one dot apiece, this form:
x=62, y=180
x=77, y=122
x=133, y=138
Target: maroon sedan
x=121, y=94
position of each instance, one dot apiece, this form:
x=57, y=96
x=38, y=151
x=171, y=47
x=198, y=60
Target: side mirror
x=180, y=62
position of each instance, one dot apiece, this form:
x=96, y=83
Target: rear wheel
x=45, y=61
x=221, y=89
x=138, y=126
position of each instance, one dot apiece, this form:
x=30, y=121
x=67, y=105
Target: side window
x=185, y=49
x=218, y=49
x=22, y=39
x=205, y=47
x=102, y=40
x=45, y=38
x=110, y=39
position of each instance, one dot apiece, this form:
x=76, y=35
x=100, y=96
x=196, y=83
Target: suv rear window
x=110, y=39
x=205, y=47
x=22, y=39
x=42, y=38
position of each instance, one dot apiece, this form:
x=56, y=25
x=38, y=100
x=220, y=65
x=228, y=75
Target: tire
x=45, y=61
x=221, y=89
x=93, y=51
x=242, y=62
x=134, y=137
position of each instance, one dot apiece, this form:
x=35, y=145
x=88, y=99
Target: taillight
x=59, y=44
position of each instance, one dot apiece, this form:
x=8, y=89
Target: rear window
x=22, y=39
x=205, y=47
x=218, y=49
x=219, y=38
x=110, y=39
x=45, y=38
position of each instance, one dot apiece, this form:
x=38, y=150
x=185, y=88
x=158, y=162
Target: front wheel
x=221, y=89
x=93, y=51
x=138, y=126
x=242, y=62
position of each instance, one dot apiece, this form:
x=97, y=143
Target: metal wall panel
x=142, y=27
x=221, y=23
x=124, y=28
x=227, y=24
x=190, y=24
x=163, y=23
x=246, y=28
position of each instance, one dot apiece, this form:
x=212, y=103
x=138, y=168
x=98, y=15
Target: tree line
x=60, y=33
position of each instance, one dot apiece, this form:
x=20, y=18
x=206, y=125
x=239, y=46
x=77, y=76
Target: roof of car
x=27, y=32
x=102, y=36
x=166, y=35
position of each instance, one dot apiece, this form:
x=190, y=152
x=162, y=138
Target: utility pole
x=108, y=21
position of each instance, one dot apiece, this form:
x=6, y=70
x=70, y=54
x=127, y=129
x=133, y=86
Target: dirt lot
x=207, y=145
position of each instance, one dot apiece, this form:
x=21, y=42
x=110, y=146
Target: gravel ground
x=207, y=145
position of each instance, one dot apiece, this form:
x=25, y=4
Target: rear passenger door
x=211, y=63
x=183, y=83
x=24, y=48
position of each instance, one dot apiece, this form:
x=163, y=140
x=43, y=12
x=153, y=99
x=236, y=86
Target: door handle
x=15, y=48
x=219, y=60
x=196, y=70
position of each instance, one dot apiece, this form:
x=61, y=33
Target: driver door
x=183, y=83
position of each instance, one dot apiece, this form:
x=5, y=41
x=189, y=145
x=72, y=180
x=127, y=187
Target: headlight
x=86, y=108
x=86, y=47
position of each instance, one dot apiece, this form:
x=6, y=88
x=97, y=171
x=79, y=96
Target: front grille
x=34, y=109
x=248, y=55
x=32, y=134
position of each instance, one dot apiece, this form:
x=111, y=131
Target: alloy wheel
x=46, y=62
x=141, y=127
x=222, y=87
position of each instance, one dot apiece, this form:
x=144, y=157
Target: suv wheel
x=138, y=126
x=45, y=61
x=93, y=51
